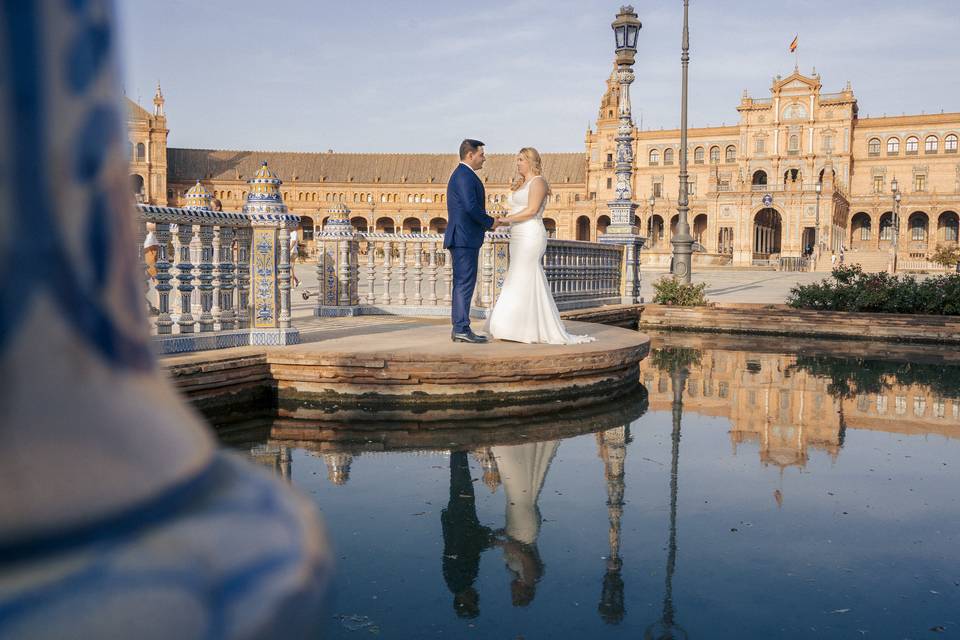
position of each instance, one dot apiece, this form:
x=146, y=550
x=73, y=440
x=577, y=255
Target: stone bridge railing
x=222, y=278
x=410, y=274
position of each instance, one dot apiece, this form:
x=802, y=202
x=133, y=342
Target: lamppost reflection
x=677, y=361
x=612, y=445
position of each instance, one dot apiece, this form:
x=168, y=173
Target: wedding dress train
x=526, y=311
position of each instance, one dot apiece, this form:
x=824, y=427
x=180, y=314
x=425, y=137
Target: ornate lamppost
x=651, y=201
x=622, y=230
x=682, y=241
x=895, y=190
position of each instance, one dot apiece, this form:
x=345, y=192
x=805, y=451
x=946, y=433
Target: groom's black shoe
x=467, y=336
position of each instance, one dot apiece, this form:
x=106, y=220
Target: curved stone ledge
x=396, y=374
x=425, y=432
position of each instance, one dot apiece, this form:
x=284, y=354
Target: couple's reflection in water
x=522, y=470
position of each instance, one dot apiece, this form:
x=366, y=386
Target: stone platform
x=393, y=371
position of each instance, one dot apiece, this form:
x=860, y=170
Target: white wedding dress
x=523, y=468
x=525, y=310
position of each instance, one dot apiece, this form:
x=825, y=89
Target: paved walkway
x=746, y=285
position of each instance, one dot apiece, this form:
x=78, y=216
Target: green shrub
x=850, y=289
x=947, y=255
x=671, y=290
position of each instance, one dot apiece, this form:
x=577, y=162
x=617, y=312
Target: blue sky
x=418, y=76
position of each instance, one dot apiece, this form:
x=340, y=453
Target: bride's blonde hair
x=536, y=167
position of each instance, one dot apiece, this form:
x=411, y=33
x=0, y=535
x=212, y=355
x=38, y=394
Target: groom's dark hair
x=469, y=146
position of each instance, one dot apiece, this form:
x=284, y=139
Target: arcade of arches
x=799, y=168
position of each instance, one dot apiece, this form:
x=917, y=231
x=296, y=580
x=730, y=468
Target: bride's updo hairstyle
x=536, y=166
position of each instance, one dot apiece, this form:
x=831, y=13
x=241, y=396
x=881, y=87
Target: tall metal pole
x=683, y=242
x=894, y=188
x=817, y=241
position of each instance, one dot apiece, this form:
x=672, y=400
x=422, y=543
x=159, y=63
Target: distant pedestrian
x=151, y=249
x=841, y=255
x=294, y=256
x=833, y=260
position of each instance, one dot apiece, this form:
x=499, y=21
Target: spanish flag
x=793, y=45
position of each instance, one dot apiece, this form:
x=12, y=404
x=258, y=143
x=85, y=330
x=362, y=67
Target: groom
x=467, y=221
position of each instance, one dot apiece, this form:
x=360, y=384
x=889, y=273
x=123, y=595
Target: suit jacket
x=466, y=218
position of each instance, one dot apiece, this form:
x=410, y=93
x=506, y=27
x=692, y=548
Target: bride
x=525, y=310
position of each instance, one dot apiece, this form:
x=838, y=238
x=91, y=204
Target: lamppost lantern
x=893, y=186
x=819, y=188
x=626, y=28
x=652, y=202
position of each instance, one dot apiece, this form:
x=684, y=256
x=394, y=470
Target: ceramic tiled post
x=338, y=253
x=270, y=261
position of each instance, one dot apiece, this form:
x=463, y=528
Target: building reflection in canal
x=782, y=405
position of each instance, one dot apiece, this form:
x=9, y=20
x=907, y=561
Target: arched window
x=913, y=145
x=668, y=156
x=714, y=155
x=654, y=156
x=583, y=228
x=229, y=195
x=141, y=152
x=886, y=226
x=893, y=146
x=873, y=147
x=918, y=226
x=306, y=228
x=931, y=144
x=950, y=143
x=356, y=197
x=759, y=177
x=136, y=184
x=731, y=154
x=698, y=155
x=948, y=224
x=602, y=223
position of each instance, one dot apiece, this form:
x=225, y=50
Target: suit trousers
x=464, y=282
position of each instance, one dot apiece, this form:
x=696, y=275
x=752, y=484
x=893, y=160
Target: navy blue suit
x=467, y=221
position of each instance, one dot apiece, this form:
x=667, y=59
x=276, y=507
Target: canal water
x=750, y=488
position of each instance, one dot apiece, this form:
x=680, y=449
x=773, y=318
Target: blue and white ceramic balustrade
x=205, y=318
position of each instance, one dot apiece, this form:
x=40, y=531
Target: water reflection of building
x=274, y=456
x=787, y=410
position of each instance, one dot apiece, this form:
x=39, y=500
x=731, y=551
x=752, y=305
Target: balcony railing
x=241, y=266
x=411, y=274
